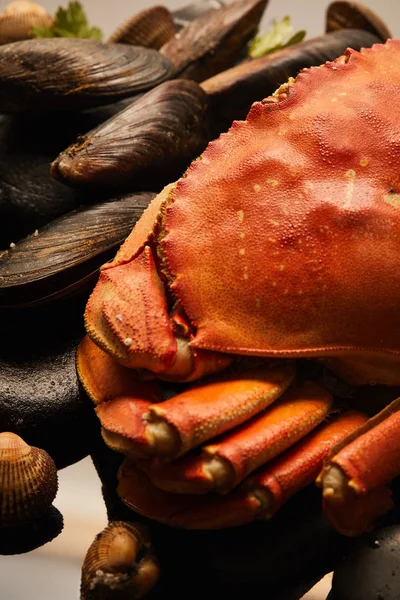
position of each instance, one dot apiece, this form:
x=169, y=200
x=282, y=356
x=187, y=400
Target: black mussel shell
x=185, y=15
x=65, y=73
x=371, y=569
x=152, y=140
x=29, y=196
x=41, y=399
x=353, y=15
x=151, y=28
x=214, y=41
x=232, y=92
x=65, y=255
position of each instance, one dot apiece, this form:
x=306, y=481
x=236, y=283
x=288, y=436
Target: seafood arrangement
x=199, y=279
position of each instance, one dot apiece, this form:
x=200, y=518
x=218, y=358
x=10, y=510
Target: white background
x=53, y=571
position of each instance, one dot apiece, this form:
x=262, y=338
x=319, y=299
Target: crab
x=279, y=243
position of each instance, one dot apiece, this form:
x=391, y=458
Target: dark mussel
x=215, y=40
x=353, y=15
x=187, y=14
x=67, y=253
x=66, y=73
x=232, y=92
x=152, y=28
x=29, y=196
x=154, y=139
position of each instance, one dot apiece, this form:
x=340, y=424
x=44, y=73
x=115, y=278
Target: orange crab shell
x=284, y=238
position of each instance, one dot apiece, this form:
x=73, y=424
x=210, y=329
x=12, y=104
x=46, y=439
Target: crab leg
x=258, y=497
x=288, y=474
x=200, y=413
x=358, y=470
x=224, y=464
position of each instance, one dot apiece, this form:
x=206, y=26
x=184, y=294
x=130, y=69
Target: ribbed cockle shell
x=18, y=19
x=152, y=28
x=28, y=481
x=119, y=562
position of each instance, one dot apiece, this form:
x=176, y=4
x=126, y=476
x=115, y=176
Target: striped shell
x=119, y=562
x=28, y=481
x=151, y=28
x=18, y=19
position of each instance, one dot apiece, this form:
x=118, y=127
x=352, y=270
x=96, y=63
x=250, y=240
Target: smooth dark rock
x=17, y=540
x=40, y=396
x=371, y=569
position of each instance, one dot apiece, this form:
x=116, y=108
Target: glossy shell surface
x=63, y=73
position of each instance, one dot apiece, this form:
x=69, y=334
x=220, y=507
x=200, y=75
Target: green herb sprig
x=279, y=36
x=69, y=22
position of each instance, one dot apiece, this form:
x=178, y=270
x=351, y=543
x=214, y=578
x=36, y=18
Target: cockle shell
x=353, y=15
x=119, y=562
x=18, y=19
x=151, y=28
x=28, y=481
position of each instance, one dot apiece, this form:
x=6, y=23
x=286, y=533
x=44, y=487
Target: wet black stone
x=41, y=399
x=17, y=540
x=371, y=569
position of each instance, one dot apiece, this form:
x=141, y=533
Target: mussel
x=65, y=255
x=213, y=41
x=154, y=139
x=119, y=564
x=19, y=18
x=152, y=28
x=28, y=481
x=65, y=73
x=232, y=92
x=353, y=15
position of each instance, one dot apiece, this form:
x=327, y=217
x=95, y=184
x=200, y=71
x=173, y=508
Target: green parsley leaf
x=276, y=38
x=70, y=22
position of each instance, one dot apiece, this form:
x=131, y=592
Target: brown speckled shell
x=119, y=562
x=151, y=28
x=18, y=19
x=28, y=481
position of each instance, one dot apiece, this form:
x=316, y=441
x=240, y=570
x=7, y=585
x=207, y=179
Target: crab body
x=281, y=241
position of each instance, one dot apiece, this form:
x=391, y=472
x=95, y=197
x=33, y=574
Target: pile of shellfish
x=90, y=132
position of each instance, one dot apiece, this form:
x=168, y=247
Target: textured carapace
x=302, y=202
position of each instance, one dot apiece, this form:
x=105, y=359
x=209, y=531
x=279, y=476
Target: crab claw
x=170, y=429
x=258, y=497
x=222, y=465
x=355, y=477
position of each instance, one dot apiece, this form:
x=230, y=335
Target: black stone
x=41, y=399
x=371, y=569
x=17, y=540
